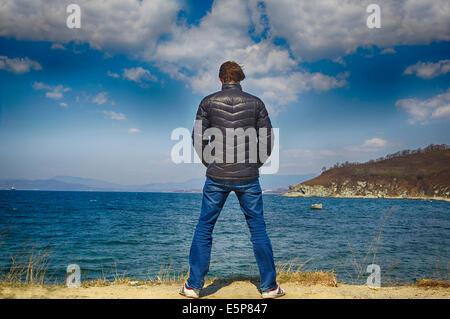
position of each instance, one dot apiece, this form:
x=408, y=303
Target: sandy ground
x=221, y=290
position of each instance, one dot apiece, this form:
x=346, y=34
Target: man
x=223, y=139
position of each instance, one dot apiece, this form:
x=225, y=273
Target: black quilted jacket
x=233, y=108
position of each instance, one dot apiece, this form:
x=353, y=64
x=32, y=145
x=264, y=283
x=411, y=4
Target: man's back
x=231, y=110
x=232, y=122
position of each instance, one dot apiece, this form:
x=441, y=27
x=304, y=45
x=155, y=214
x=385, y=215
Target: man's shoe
x=189, y=292
x=275, y=293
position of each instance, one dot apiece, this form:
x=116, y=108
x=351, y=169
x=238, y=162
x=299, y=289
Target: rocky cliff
x=418, y=174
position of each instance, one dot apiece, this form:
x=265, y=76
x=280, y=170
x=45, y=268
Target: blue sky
x=102, y=101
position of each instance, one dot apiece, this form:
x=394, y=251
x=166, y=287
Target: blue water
x=134, y=234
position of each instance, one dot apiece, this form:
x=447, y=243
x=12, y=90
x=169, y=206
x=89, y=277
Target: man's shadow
x=218, y=284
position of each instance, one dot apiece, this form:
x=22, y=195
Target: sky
x=101, y=101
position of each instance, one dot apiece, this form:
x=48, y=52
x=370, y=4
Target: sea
x=146, y=236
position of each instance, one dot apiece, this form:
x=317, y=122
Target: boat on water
x=12, y=188
x=316, y=206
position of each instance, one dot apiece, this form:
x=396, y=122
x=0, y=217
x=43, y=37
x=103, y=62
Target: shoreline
x=219, y=289
x=299, y=194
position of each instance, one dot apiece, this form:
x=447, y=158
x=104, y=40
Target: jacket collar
x=231, y=85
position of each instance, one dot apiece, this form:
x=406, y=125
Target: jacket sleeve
x=201, y=124
x=265, y=137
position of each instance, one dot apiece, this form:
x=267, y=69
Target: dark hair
x=230, y=71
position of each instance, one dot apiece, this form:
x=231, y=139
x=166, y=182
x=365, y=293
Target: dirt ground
x=219, y=290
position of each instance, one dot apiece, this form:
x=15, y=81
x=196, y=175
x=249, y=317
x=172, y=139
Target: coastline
x=221, y=289
x=299, y=194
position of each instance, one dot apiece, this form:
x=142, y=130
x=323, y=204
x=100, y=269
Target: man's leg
x=214, y=197
x=250, y=199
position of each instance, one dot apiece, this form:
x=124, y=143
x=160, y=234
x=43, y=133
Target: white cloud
x=100, y=98
x=370, y=145
x=388, y=51
x=374, y=143
x=331, y=28
x=113, y=75
x=194, y=53
x=18, y=65
x=437, y=107
x=53, y=92
x=115, y=26
x=41, y=86
x=312, y=29
x=321, y=82
x=115, y=116
x=442, y=112
x=139, y=75
x=283, y=89
x=134, y=131
x=340, y=60
x=62, y=104
x=58, y=46
x=428, y=70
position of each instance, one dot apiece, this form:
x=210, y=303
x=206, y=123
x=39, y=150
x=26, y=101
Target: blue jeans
x=249, y=195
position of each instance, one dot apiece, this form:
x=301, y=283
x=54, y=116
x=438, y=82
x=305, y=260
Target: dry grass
x=360, y=264
x=309, y=279
x=28, y=266
x=286, y=272
x=290, y=272
x=432, y=283
x=168, y=274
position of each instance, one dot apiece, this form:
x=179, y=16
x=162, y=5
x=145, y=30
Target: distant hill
x=41, y=184
x=88, y=182
x=270, y=183
x=422, y=173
